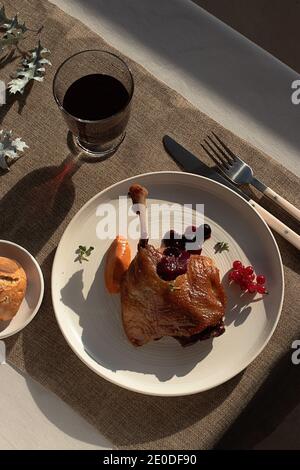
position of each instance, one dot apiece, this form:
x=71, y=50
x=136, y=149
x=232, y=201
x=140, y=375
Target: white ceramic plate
x=34, y=292
x=90, y=318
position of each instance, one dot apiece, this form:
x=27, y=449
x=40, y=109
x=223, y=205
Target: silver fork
x=237, y=171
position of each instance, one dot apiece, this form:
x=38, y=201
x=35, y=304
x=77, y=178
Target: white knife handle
x=282, y=202
x=277, y=225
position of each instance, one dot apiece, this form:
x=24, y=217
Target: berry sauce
x=176, y=255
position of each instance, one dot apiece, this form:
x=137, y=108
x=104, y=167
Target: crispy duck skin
x=152, y=307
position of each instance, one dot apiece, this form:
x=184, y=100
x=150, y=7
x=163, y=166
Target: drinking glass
x=98, y=137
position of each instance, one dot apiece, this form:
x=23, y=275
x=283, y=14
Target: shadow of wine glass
x=36, y=205
x=31, y=210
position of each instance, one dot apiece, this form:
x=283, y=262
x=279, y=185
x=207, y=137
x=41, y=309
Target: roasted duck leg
x=194, y=302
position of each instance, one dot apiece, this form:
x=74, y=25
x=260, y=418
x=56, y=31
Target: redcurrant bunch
x=246, y=278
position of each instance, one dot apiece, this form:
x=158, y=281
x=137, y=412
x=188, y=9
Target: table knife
x=191, y=164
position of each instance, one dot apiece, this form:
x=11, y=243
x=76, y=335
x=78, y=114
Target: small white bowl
x=34, y=292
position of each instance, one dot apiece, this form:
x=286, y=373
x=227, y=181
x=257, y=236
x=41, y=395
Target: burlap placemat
x=38, y=200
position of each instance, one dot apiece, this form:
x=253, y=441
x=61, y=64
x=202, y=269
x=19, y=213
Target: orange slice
x=118, y=259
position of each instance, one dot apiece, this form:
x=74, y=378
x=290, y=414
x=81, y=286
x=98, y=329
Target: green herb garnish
x=82, y=253
x=221, y=246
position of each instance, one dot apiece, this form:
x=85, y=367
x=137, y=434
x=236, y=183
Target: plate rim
x=41, y=296
x=132, y=388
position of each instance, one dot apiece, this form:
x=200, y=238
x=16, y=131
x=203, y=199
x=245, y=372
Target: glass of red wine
x=94, y=90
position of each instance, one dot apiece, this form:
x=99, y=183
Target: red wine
x=94, y=97
x=97, y=111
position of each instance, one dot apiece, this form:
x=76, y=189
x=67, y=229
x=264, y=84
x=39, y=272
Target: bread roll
x=12, y=287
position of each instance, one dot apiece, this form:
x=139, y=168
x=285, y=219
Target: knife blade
x=190, y=163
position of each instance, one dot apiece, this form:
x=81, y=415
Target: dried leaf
x=10, y=40
x=11, y=24
x=9, y=148
x=13, y=30
x=32, y=69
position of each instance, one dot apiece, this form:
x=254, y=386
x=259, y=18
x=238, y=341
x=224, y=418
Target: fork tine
x=235, y=157
x=213, y=158
x=229, y=160
x=221, y=161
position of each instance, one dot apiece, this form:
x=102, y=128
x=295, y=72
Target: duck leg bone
x=138, y=196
